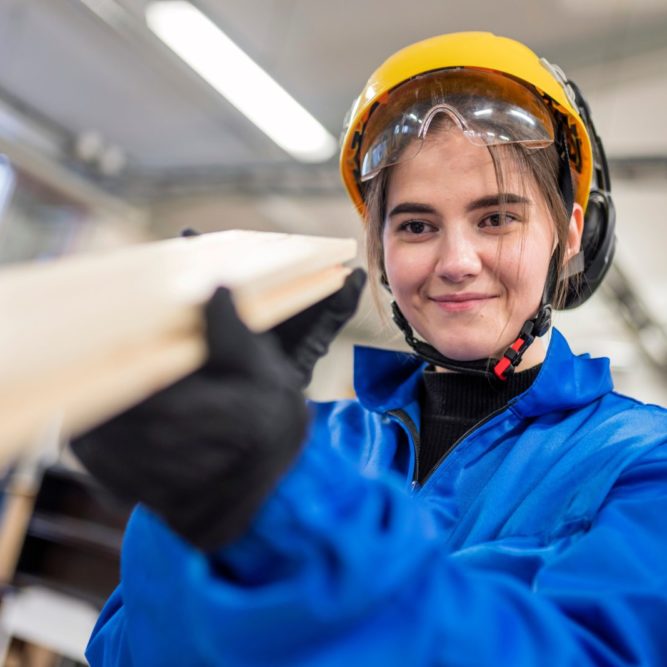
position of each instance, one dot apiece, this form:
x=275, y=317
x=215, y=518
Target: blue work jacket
x=541, y=539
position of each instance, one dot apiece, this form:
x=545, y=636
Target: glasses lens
x=397, y=141
x=489, y=108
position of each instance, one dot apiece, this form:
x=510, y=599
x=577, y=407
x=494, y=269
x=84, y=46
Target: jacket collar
x=388, y=380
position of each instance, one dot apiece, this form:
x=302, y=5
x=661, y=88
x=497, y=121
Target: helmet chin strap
x=492, y=368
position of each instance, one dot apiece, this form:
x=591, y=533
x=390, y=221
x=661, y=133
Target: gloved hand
x=306, y=336
x=205, y=452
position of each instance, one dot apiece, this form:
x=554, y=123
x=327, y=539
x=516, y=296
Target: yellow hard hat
x=481, y=51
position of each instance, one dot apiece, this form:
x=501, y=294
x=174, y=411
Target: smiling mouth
x=454, y=303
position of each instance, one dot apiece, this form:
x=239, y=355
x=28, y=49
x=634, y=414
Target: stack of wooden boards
x=85, y=337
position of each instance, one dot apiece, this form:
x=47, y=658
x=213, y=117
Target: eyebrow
x=500, y=199
x=488, y=201
x=410, y=207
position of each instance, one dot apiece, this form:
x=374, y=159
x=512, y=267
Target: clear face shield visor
x=489, y=108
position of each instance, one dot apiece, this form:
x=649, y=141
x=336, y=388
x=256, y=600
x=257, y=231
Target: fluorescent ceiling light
x=205, y=48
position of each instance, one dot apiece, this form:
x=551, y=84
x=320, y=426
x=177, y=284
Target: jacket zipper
x=473, y=428
x=404, y=418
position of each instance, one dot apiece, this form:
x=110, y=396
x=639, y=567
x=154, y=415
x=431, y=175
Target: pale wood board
x=84, y=338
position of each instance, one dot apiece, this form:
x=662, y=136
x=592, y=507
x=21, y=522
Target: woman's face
x=465, y=273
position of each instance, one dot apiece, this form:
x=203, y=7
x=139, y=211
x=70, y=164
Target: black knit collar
x=465, y=396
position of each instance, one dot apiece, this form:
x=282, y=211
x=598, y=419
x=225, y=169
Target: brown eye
x=497, y=220
x=415, y=227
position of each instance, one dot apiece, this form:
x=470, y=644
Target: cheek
x=405, y=265
x=524, y=266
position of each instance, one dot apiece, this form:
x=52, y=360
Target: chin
x=470, y=354
x=463, y=337
x=466, y=350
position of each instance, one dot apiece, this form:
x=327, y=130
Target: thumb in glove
x=305, y=337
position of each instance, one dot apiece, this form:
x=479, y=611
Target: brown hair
x=537, y=166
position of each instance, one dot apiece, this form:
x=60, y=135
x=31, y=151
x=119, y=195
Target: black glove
x=306, y=337
x=204, y=453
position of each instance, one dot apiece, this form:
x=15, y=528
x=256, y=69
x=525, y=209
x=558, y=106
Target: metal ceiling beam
x=292, y=179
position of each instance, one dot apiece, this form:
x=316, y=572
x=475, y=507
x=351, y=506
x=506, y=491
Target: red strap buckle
x=510, y=359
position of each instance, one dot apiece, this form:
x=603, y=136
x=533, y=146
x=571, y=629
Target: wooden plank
x=86, y=337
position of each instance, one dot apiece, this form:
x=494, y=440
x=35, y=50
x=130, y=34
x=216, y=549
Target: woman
x=485, y=501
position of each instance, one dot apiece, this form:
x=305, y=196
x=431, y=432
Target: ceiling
x=92, y=65
x=77, y=71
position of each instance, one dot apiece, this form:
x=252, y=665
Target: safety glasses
x=490, y=109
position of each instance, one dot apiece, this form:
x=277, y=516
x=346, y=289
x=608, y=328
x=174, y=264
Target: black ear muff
x=598, y=243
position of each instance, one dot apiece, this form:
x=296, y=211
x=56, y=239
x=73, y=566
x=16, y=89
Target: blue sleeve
x=108, y=645
x=343, y=569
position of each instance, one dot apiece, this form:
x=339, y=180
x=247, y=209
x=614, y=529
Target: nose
x=459, y=256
